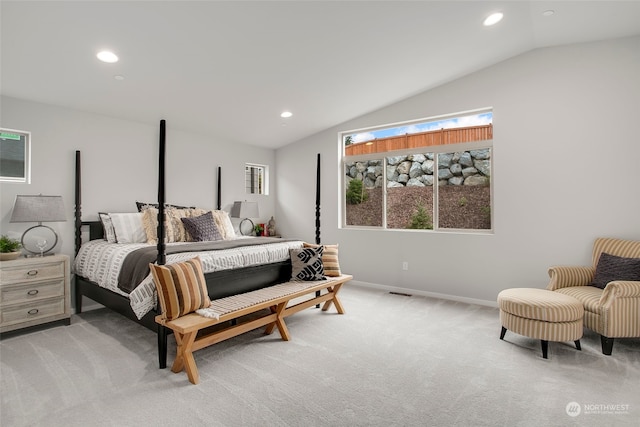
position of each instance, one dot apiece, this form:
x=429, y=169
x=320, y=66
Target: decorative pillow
x=107, y=226
x=150, y=224
x=142, y=206
x=202, y=228
x=181, y=287
x=329, y=259
x=611, y=267
x=128, y=227
x=306, y=264
x=223, y=221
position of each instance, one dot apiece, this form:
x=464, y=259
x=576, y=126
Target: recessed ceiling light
x=493, y=19
x=548, y=12
x=107, y=56
x=119, y=77
x=286, y=114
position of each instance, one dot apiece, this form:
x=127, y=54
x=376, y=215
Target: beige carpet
x=389, y=361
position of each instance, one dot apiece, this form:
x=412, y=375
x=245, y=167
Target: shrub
x=355, y=192
x=421, y=220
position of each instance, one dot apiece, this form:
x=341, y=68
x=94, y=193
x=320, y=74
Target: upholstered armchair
x=614, y=311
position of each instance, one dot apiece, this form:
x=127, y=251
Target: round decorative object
x=39, y=239
x=9, y=256
x=246, y=227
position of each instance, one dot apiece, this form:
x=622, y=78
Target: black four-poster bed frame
x=220, y=284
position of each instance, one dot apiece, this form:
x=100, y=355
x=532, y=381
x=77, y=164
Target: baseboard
x=424, y=293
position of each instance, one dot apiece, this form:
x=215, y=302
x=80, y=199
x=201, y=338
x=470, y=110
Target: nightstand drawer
x=32, y=273
x=31, y=292
x=26, y=312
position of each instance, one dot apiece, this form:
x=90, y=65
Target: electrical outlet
x=405, y=265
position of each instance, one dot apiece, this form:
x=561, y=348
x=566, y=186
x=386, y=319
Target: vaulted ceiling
x=228, y=69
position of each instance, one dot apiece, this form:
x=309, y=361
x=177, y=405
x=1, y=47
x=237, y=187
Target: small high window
x=15, y=156
x=256, y=179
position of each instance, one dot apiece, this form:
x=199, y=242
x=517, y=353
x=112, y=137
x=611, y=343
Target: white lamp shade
x=245, y=210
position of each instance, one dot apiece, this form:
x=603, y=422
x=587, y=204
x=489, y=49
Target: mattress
x=100, y=262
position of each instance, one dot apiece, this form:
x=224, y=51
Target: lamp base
x=39, y=240
x=244, y=228
x=37, y=255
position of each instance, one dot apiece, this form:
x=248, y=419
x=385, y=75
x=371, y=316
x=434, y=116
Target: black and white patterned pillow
x=142, y=206
x=611, y=267
x=202, y=228
x=107, y=226
x=306, y=264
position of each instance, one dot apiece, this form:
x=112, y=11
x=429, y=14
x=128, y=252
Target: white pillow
x=223, y=221
x=129, y=227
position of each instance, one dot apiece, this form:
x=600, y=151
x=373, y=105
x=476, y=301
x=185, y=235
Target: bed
x=264, y=261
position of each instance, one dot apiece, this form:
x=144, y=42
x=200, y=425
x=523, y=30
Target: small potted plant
x=258, y=229
x=9, y=248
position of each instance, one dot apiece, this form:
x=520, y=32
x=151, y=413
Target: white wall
x=567, y=114
x=120, y=165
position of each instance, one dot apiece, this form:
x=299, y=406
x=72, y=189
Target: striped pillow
x=329, y=259
x=181, y=287
x=128, y=227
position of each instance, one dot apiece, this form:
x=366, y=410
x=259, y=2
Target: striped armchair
x=613, y=312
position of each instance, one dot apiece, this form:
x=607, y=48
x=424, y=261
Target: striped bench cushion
x=222, y=306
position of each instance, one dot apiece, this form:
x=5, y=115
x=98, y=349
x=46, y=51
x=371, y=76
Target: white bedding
x=100, y=262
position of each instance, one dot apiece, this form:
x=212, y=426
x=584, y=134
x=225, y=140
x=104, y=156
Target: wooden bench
x=276, y=298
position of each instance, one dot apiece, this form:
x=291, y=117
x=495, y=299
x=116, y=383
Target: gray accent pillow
x=611, y=267
x=202, y=228
x=306, y=264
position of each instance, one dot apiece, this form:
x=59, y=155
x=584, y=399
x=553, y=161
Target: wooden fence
x=422, y=139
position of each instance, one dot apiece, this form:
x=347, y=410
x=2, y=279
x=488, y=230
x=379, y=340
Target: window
x=430, y=175
x=15, y=156
x=256, y=179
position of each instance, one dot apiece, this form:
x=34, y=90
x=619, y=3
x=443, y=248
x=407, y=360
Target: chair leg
x=578, y=345
x=545, y=346
x=502, y=332
x=607, y=345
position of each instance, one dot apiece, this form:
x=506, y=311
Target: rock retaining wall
x=471, y=167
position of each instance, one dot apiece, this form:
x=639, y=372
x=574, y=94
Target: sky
x=456, y=122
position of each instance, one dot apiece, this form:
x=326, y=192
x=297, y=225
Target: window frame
x=26, y=151
x=262, y=186
x=435, y=149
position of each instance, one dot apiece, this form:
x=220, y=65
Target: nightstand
x=34, y=291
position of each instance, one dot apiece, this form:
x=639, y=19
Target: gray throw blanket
x=136, y=265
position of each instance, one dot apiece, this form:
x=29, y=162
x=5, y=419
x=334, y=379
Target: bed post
x=78, y=208
x=318, y=201
x=161, y=260
x=161, y=164
x=318, y=210
x=219, y=197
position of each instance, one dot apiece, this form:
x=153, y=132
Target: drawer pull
x=32, y=272
x=33, y=311
x=33, y=292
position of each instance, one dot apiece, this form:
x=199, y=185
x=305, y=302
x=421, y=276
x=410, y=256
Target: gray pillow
x=306, y=264
x=611, y=267
x=202, y=228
